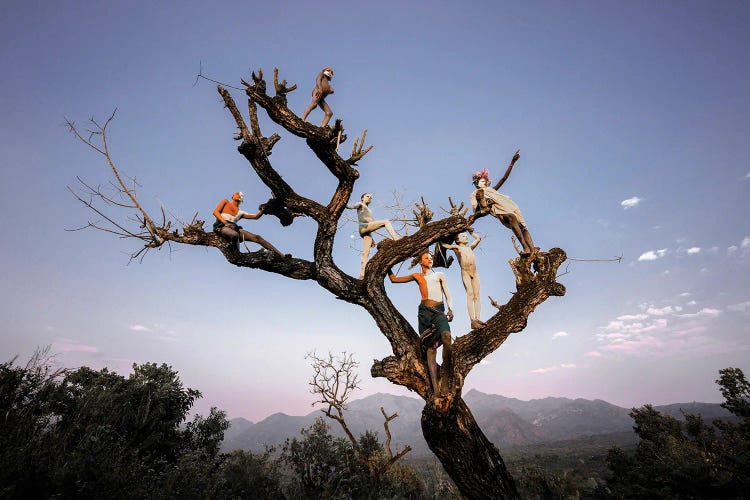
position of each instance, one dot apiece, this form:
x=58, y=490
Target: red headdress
x=482, y=174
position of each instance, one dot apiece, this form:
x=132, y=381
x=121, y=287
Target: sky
x=631, y=118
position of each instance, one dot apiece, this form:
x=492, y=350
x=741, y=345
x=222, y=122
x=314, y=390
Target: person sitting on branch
x=227, y=214
x=469, y=275
x=322, y=89
x=434, y=329
x=367, y=225
x=501, y=206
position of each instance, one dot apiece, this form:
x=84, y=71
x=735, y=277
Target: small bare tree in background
x=334, y=380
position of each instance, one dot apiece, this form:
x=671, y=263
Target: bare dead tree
x=472, y=461
x=391, y=457
x=334, y=380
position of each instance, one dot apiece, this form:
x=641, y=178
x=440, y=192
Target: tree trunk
x=469, y=458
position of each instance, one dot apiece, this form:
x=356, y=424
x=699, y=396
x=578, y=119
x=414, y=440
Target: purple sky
x=631, y=117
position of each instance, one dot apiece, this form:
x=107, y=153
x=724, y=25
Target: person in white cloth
x=228, y=212
x=501, y=206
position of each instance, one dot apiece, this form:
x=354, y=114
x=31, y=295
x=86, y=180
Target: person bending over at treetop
x=501, y=206
x=368, y=224
x=433, y=321
x=227, y=214
x=469, y=275
x=322, y=89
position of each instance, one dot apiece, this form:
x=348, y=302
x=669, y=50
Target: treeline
x=95, y=434
x=690, y=458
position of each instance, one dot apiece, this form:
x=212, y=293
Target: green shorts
x=428, y=318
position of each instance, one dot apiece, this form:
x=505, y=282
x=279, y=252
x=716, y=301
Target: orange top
x=419, y=278
x=227, y=207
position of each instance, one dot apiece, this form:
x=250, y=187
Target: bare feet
x=475, y=323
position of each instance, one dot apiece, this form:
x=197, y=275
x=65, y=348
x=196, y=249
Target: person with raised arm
x=501, y=206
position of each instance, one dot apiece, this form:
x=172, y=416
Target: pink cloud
x=632, y=317
x=706, y=312
x=72, y=347
x=663, y=311
x=594, y=354
x=635, y=346
x=665, y=331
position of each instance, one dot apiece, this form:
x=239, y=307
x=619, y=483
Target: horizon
x=632, y=123
x=230, y=417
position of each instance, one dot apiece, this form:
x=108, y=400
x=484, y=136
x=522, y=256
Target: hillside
x=507, y=422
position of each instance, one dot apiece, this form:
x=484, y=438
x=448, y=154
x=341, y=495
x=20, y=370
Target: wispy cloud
x=653, y=255
x=693, y=250
x=741, y=307
x=593, y=354
x=564, y=366
x=661, y=331
x=631, y=202
x=159, y=331
x=706, y=312
x=632, y=317
x=559, y=335
x=744, y=246
x=663, y=311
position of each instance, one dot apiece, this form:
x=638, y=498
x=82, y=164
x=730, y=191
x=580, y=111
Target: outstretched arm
x=476, y=237
x=246, y=215
x=399, y=279
x=449, y=246
x=507, y=172
x=355, y=206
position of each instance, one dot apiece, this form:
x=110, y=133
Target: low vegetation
x=93, y=434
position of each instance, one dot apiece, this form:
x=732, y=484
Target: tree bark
x=469, y=458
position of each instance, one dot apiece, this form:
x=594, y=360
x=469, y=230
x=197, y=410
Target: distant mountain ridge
x=507, y=422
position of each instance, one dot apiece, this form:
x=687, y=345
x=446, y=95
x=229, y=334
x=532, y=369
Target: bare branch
x=357, y=149
x=281, y=88
x=403, y=452
x=533, y=287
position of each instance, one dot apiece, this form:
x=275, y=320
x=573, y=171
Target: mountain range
x=507, y=422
